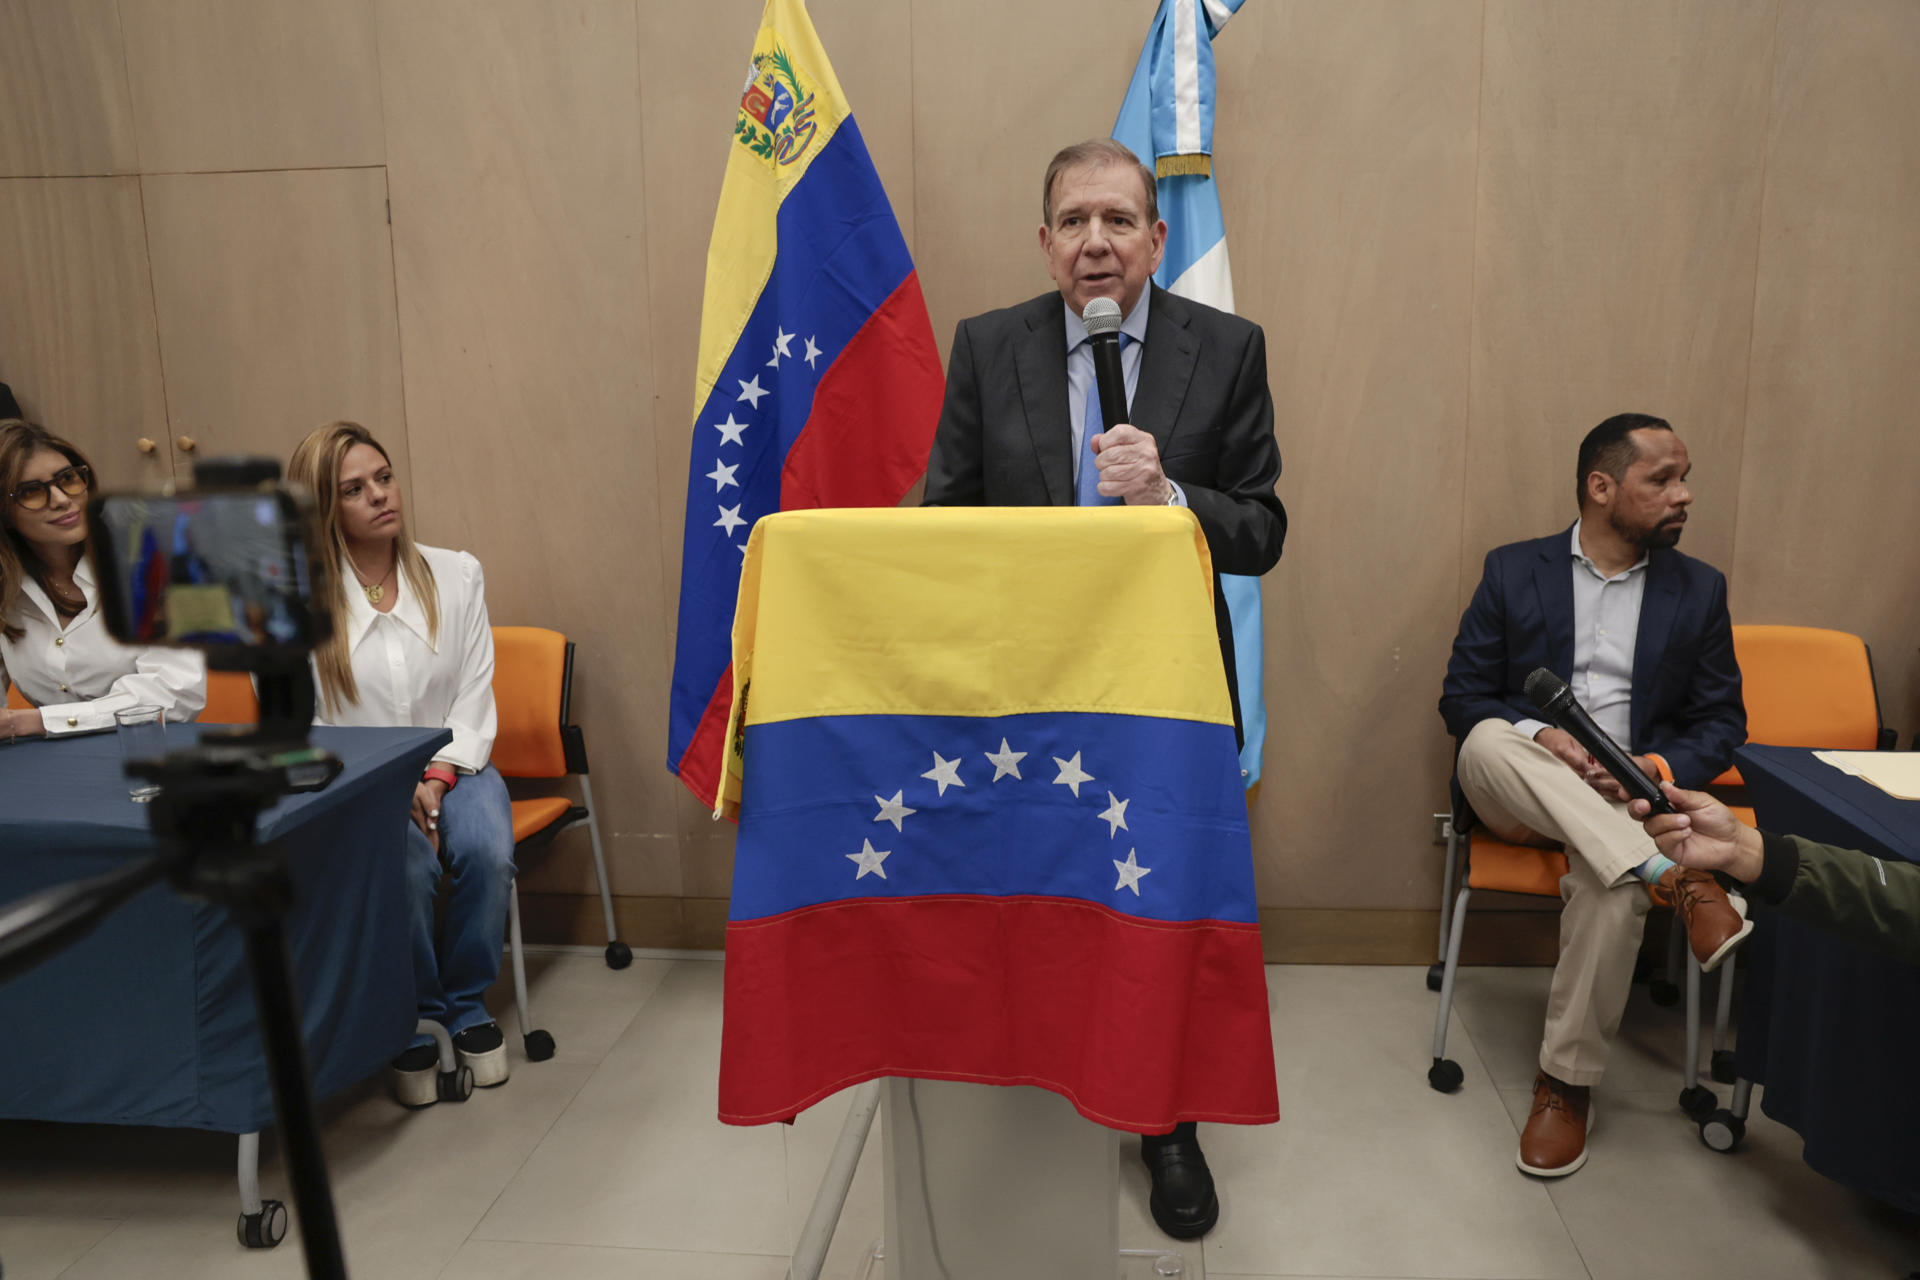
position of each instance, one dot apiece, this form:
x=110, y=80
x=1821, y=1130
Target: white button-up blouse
x=78, y=675
x=407, y=679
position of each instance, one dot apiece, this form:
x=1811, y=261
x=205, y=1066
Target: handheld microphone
x=1102, y=318
x=1550, y=694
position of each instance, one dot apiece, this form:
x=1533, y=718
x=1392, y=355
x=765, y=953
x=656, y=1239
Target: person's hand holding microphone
x=1702, y=834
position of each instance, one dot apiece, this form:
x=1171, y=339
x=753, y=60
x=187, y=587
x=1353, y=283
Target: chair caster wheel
x=1436, y=972
x=1722, y=1131
x=265, y=1229
x=539, y=1046
x=1698, y=1102
x=455, y=1085
x=1724, y=1071
x=1445, y=1075
x=1664, y=993
x=619, y=955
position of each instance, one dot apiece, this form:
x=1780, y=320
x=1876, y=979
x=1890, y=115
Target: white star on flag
x=944, y=772
x=1116, y=815
x=742, y=549
x=892, y=810
x=730, y=430
x=752, y=391
x=870, y=858
x=782, y=346
x=1130, y=873
x=1071, y=774
x=729, y=519
x=722, y=476
x=1006, y=762
x=813, y=353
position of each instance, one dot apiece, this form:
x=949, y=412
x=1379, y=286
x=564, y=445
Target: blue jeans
x=451, y=973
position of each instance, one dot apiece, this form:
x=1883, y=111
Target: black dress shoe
x=1183, y=1202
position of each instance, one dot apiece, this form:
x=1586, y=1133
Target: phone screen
x=208, y=569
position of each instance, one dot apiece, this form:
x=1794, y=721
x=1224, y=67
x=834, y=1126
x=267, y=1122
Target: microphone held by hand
x=1103, y=320
x=1556, y=702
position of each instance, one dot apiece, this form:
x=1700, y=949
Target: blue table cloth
x=150, y=1019
x=1832, y=1031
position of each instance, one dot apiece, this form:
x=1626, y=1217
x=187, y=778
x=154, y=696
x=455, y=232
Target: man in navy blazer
x=1642, y=636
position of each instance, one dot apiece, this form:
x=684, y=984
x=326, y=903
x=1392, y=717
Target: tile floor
x=606, y=1163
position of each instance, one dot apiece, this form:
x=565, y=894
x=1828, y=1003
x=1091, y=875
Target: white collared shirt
x=1606, y=627
x=1080, y=374
x=78, y=675
x=408, y=679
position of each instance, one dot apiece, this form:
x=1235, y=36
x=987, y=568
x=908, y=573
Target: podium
x=993, y=851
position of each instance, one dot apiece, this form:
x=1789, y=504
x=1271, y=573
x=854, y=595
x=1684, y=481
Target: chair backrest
x=532, y=668
x=16, y=700
x=1806, y=687
x=230, y=699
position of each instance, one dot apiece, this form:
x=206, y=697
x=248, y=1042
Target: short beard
x=1661, y=537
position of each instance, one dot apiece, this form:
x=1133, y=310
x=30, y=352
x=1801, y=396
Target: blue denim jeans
x=452, y=972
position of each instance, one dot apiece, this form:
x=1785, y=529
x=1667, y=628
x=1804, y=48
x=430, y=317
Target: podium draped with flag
x=819, y=384
x=991, y=826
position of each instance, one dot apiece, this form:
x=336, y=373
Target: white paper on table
x=1895, y=772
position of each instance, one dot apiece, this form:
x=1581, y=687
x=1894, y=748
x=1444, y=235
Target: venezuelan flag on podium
x=819, y=384
x=991, y=825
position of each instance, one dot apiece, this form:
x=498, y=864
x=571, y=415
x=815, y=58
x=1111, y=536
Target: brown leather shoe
x=1715, y=923
x=1554, y=1143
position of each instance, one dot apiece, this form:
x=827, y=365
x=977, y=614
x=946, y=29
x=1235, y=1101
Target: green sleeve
x=1873, y=901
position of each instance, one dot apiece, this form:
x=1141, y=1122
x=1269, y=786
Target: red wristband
x=442, y=774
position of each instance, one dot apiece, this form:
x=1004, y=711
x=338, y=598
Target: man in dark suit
x=1021, y=427
x=1641, y=634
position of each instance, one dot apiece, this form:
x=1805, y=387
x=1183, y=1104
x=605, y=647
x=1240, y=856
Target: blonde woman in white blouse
x=53, y=642
x=412, y=646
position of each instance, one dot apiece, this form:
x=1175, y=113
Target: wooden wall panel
x=63, y=89
x=1829, y=526
x=1618, y=219
x=513, y=142
x=76, y=318
x=692, y=63
x=1345, y=154
x=253, y=84
x=275, y=297
x=999, y=86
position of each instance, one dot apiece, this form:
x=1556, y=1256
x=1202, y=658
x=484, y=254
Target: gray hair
x=1097, y=152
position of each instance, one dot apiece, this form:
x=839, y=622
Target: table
x=1832, y=1031
x=150, y=1019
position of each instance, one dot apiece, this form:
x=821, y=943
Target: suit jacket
x=1005, y=437
x=1686, y=703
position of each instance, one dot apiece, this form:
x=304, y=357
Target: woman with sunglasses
x=53, y=642
x=411, y=645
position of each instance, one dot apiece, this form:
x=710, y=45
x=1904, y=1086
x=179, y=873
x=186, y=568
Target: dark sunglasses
x=34, y=494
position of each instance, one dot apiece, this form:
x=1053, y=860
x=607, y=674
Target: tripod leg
x=277, y=1003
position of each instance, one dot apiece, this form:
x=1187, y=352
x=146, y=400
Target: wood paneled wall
x=1471, y=228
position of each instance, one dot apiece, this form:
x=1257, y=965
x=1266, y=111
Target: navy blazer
x=1686, y=685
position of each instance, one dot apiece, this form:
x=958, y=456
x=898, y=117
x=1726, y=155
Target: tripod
x=205, y=815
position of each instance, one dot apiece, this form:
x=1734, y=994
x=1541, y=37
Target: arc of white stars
x=729, y=519
x=813, y=353
x=944, y=772
x=730, y=431
x=1130, y=873
x=722, y=476
x=1071, y=774
x=1116, y=815
x=1005, y=761
x=870, y=858
x=782, y=346
x=752, y=390
x=893, y=810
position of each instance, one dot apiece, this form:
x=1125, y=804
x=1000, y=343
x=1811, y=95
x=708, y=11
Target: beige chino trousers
x=1525, y=794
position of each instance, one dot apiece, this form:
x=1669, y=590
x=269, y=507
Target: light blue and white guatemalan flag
x=1167, y=119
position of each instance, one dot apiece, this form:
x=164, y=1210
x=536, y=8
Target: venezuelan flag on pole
x=1167, y=120
x=819, y=383
x=991, y=826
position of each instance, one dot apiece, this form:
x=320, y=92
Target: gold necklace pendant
x=375, y=594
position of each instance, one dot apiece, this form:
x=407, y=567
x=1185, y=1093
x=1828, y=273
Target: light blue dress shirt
x=1080, y=374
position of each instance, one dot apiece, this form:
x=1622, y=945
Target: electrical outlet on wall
x=1442, y=827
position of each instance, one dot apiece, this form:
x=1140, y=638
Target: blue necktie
x=1086, y=485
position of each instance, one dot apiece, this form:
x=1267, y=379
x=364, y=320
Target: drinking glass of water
x=143, y=737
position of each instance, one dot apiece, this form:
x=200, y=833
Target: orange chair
x=536, y=738
x=17, y=701
x=230, y=699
